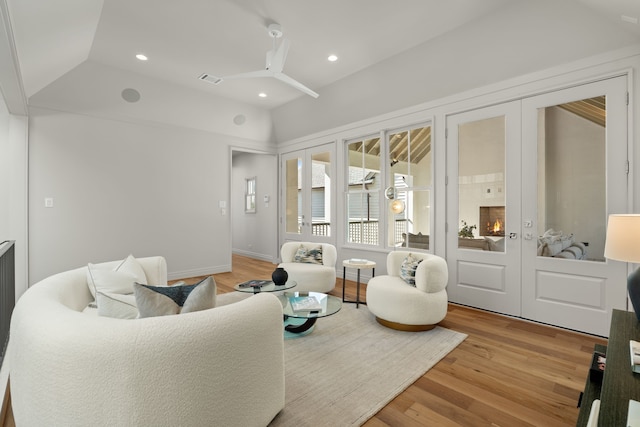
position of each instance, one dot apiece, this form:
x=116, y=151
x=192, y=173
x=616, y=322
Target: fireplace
x=491, y=221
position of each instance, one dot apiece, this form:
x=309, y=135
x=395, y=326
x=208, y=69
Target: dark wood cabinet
x=620, y=383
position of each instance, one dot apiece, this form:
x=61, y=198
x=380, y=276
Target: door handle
x=513, y=235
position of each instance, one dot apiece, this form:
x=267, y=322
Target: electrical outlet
x=48, y=202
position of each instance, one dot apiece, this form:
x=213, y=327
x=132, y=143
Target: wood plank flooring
x=508, y=372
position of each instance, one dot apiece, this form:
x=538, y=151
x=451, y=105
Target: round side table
x=359, y=264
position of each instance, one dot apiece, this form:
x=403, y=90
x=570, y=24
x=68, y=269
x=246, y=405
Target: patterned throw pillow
x=408, y=269
x=165, y=300
x=309, y=256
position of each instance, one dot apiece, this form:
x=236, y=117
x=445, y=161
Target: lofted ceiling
x=185, y=39
x=592, y=109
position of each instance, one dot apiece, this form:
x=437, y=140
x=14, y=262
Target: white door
x=574, y=175
x=308, y=198
x=483, y=199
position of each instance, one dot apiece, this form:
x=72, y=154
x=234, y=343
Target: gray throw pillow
x=164, y=300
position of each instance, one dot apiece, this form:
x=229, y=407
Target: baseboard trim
x=196, y=272
x=261, y=257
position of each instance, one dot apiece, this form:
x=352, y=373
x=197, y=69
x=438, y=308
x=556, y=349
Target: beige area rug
x=350, y=367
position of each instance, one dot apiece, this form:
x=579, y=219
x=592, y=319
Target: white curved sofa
x=222, y=366
x=310, y=277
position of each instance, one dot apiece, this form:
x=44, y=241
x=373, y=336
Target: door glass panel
x=481, y=169
x=572, y=210
x=363, y=191
x=293, y=195
x=321, y=194
x=410, y=175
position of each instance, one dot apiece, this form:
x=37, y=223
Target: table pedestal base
x=296, y=328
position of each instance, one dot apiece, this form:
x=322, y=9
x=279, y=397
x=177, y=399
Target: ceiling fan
x=275, y=64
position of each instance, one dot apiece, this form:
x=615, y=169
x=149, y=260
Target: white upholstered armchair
x=400, y=305
x=310, y=276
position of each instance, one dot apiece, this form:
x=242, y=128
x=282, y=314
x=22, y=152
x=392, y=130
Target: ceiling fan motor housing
x=275, y=30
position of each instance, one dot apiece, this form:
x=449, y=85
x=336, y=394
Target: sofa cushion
x=408, y=269
x=119, y=280
x=309, y=256
x=417, y=241
x=116, y=305
x=164, y=300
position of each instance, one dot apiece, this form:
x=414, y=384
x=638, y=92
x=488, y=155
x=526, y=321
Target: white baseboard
x=196, y=272
x=255, y=255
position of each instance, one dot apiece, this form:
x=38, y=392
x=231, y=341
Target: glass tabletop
x=256, y=286
x=328, y=303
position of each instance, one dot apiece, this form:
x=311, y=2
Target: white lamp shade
x=623, y=238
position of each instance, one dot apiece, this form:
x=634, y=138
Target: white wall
x=255, y=234
x=121, y=188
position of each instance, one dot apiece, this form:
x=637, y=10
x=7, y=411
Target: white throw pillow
x=165, y=300
x=119, y=280
x=116, y=305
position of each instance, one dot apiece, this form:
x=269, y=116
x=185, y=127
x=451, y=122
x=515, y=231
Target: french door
x=575, y=175
x=530, y=186
x=308, y=199
x=483, y=208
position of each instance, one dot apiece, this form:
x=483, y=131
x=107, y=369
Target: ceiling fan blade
x=249, y=75
x=296, y=84
x=276, y=59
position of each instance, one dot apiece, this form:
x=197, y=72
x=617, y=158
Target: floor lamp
x=623, y=244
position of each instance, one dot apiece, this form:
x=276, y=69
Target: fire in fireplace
x=492, y=221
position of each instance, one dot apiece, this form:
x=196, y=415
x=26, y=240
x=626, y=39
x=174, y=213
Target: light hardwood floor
x=508, y=372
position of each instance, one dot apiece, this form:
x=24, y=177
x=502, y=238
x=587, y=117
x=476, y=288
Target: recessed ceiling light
x=141, y=57
x=332, y=58
x=262, y=95
x=629, y=19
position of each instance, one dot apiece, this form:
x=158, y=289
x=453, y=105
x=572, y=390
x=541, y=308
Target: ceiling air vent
x=211, y=79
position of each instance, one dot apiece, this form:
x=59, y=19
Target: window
x=250, y=195
x=363, y=191
x=410, y=171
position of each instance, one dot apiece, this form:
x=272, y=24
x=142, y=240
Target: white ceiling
x=221, y=37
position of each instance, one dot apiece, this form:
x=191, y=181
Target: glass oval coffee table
x=299, y=323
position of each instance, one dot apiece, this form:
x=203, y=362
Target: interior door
x=483, y=207
x=575, y=174
x=309, y=196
